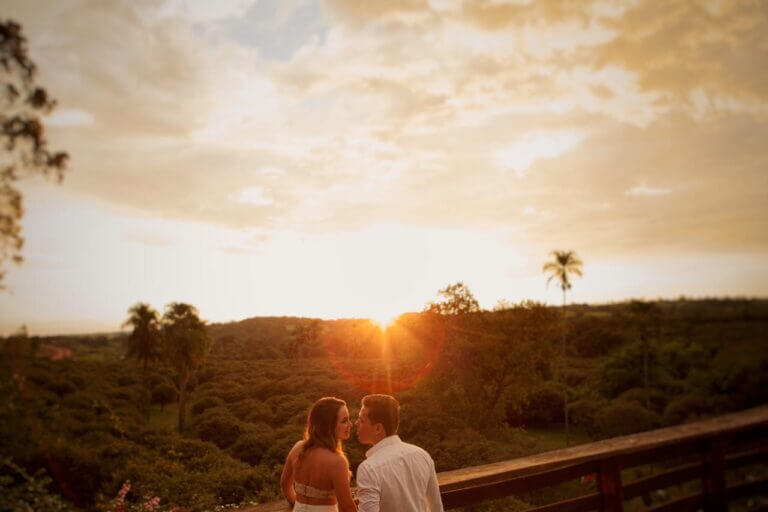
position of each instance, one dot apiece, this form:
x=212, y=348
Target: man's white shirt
x=397, y=477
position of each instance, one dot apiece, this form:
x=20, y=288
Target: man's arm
x=434, y=501
x=368, y=490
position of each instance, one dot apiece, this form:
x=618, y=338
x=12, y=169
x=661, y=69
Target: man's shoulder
x=398, y=451
x=412, y=448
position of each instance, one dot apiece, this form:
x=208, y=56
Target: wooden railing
x=700, y=453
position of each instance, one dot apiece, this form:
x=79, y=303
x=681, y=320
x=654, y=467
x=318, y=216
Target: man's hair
x=383, y=409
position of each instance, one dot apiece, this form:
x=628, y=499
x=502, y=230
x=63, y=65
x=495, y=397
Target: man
x=395, y=476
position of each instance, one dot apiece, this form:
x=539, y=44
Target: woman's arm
x=286, y=478
x=340, y=478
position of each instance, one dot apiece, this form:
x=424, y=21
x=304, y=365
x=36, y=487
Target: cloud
x=255, y=196
x=644, y=190
x=414, y=112
x=532, y=146
x=680, y=47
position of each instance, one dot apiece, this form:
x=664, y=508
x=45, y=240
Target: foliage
x=218, y=426
x=21, y=491
x=541, y=408
x=204, y=403
x=622, y=417
x=79, y=418
x=24, y=147
x=144, y=341
x=187, y=343
x=457, y=300
x=564, y=264
x=164, y=394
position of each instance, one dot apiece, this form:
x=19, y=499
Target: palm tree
x=564, y=264
x=144, y=341
x=187, y=343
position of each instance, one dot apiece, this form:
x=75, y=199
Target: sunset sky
x=349, y=158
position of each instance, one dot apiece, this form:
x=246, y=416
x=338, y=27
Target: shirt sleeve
x=368, y=490
x=434, y=501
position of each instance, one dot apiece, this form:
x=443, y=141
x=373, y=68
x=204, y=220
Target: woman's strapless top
x=311, y=492
x=303, y=507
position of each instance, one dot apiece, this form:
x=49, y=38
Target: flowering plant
x=118, y=504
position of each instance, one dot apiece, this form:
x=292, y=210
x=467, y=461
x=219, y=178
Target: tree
x=186, y=346
x=458, y=300
x=493, y=360
x=564, y=264
x=144, y=341
x=645, y=315
x=24, y=147
x=164, y=394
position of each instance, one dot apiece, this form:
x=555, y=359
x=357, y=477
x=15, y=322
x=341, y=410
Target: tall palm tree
x=563, y=265
x=144, y=342
x=187, y=343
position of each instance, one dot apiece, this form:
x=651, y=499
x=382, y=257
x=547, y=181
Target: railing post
x=611, y=489
x=713, y=476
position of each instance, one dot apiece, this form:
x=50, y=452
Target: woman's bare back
x=311, y=468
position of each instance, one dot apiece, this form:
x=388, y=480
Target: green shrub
x=164, y=394
x=124, y=395
x=620, y=418
x=687, y=408
x=218, y=426
x=582, y=413
x=251, y=446
x=20, y=491
x=62, y=387
x=260, y=413
x=657, y=399
x=126, y=380
x=597, y=341
x=204, y=403
x=542, y=408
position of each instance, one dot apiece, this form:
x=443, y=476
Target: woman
x=316, y=473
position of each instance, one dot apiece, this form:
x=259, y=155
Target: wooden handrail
x=707, y=446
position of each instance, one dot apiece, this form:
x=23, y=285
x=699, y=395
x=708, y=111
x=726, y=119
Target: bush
x=164, y=394
x=251, y=447
x=582, y=413
x=541, y=409
x=657, y=399
x=62, y=387
x=123, y=395
x=621, y=418
x=597, y=342
x=23, y=491
x=687, y=408
x=245, y=408
x=205, y=403
x=126, y=380
x=218, y=426
x=288, y=406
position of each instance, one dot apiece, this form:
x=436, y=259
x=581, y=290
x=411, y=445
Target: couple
x=395, y=477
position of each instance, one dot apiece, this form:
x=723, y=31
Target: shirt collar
x=387, y=441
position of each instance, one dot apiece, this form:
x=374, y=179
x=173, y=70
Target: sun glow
x=384, y=320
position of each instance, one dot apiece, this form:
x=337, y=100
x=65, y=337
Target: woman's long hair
x=321, y=426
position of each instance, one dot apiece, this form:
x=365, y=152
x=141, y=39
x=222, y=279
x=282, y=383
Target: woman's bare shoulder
x=297, y=448
x=337, y=459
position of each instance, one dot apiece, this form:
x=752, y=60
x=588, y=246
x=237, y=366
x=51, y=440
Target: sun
x=384, y=320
